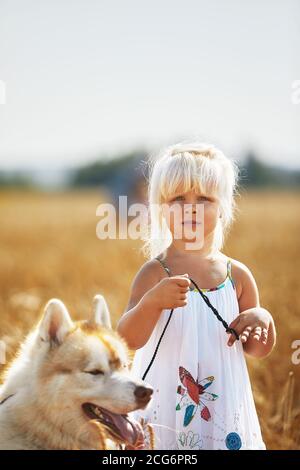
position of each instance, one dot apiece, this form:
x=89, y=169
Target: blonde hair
x=183, y=167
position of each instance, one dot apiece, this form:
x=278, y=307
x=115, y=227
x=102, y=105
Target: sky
x=89, y=78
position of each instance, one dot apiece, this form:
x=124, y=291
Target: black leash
x=5, y=399
x=214, y=310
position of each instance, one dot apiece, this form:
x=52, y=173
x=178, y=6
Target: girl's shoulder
x=150, y=268
x=149, y=274
x=243, y=278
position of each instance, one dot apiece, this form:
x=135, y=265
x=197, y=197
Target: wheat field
x=49, y=248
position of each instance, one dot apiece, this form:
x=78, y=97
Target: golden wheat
x=49, y=248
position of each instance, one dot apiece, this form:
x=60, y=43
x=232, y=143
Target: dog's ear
x=56, y=322
x=101, y=315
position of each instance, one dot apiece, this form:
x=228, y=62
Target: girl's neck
x=178, y=250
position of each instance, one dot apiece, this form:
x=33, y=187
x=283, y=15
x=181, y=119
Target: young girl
x=202, y=395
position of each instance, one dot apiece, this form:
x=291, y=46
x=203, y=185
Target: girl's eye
x=200, y=198
x=95, y=372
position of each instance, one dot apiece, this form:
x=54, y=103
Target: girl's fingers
x=256, y=333
x=182, y=297
x=235, y=322
x=239, y=326
x=232, y=338
x=246, y=333
x=184, y=291
x=182, y=281
x=264, y=335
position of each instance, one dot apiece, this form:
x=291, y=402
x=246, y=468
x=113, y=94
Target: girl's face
x=191, y=216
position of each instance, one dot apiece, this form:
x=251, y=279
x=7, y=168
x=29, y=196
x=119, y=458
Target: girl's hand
x=251, y=323
x=170, y=292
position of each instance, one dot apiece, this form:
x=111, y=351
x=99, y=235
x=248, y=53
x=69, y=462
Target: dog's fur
x=61, y=366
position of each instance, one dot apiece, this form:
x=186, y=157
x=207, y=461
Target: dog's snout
x=143, y=393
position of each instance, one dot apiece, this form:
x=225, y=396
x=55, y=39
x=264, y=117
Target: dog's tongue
x=130, y=429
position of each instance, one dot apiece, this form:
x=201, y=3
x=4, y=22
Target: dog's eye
x=95, y=372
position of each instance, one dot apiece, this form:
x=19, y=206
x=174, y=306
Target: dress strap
x=229, y=274
x=164, y=265
x=229, y=267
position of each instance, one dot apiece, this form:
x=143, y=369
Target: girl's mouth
x=191, y=222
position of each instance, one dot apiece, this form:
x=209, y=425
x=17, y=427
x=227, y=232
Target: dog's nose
x=143, y=393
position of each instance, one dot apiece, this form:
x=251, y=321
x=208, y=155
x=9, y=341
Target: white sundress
x=202, y=395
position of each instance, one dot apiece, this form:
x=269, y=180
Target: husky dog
x=70, y=387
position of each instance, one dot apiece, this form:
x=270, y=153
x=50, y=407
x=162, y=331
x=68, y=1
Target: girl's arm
x=254, y=324
x=150, y=295
x=141, y=315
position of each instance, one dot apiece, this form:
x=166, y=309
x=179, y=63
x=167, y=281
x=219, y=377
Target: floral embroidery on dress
x=193, y=392
x=190, y=440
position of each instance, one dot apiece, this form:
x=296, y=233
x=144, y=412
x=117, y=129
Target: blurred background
x=88, y=90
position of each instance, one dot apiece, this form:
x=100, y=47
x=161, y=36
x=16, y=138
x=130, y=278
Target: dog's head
x=81, y=371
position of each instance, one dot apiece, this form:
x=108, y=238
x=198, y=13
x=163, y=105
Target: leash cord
x=215, y=312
